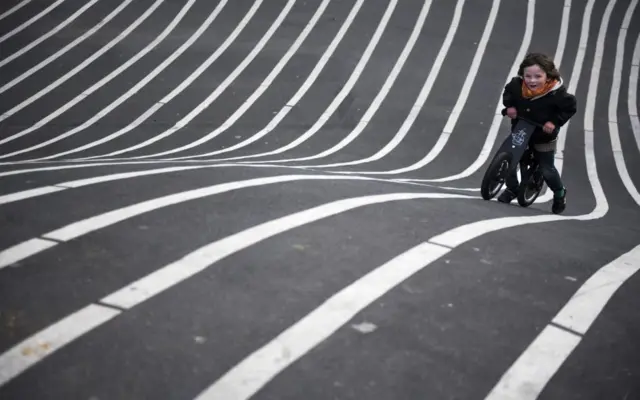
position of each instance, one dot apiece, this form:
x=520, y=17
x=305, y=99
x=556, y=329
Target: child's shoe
x=507, y=196
x=559, y=201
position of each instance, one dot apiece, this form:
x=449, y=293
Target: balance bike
x=515, y=151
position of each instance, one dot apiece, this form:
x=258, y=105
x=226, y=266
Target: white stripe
x=74, y=230
x=82, y=65
x=632, y=104
x=36, y=192
x=460, y=103
x=613, y=107
x=299, y=94
x=46, y=342
x=253, y=371
x=66, y=48
x=590, y=299
x=344, y=91
x=15, y=361
x=24, y=250
x=266, y=83
x=497, y=118
x=30, y=21
x=216, y=93
x=246, y=378
x=27, y=194
x=562, y=135
x=382, y=93
x=538, y=364
x=529, y=374
x=198, y=260
x=47, y=35
x=176, y=91
x=420, y=100
x=14, y=9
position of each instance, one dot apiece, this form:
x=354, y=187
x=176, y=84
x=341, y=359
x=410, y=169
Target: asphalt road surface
x=279, y=199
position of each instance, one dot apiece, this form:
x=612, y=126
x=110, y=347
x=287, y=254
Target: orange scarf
x=528, y=93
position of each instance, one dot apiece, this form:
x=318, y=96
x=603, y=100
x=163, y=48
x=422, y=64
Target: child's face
x=534, y=77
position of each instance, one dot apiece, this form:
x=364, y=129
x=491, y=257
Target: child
x=538, y=94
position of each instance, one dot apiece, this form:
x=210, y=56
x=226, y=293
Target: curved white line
x=575, y=76
x=382, y=93
x=57, y=187
x=266, y=83
x=46, y=36
x=88, y=61
x=60, y=52
x=431, y=250
x=344, y=91
x=262, y=365
x=14, y=9
x=613, y=106
x=15, y=361
x=300, y=93
x=417, y=105
x=231, y=120
x=632, y=104
x=150, y=76
x=20, y=251
x=555, y=343
x=462, y=98
x=213, y=96
x=409, y=121
x=30, y=21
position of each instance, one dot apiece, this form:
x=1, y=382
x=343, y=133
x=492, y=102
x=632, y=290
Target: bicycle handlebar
x=539, y=125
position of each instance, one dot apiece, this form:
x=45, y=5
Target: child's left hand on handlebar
x=548, y=127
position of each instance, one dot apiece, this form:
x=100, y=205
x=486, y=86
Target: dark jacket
x=556, y=106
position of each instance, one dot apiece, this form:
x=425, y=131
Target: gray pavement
x=280, y=200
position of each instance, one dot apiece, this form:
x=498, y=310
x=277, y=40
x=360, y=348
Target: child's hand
x=548, y=127
x=512, y=112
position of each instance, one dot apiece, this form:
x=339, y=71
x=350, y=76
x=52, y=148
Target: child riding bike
x=538, y=94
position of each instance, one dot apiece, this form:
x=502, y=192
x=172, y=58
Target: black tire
x=495, y=176
x=530, y=189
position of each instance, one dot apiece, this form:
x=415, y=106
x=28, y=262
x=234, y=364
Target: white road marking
x=337, y=100
x=465, y=91
x=84, y=64
x=495, y=125
x=548, y=351
x=633, y=92
x=14, y=361
x=53, y=338
x=239, y=28
x=414, y=111
x=74, y=230
x=23, y=250
x=382, y=93
x=266, y=83
x=14, y=9
x=219, y=89
x=28, y=23
x=256, y=370
x=298, y=95
x=530, y=373
x=63, y=50
x=613, y=106
x=599, y=211
x=30, y=193
x=47, y=35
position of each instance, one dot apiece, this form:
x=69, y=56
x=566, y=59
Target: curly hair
x=545, y=62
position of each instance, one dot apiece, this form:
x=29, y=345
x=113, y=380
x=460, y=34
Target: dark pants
x=549, y=172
